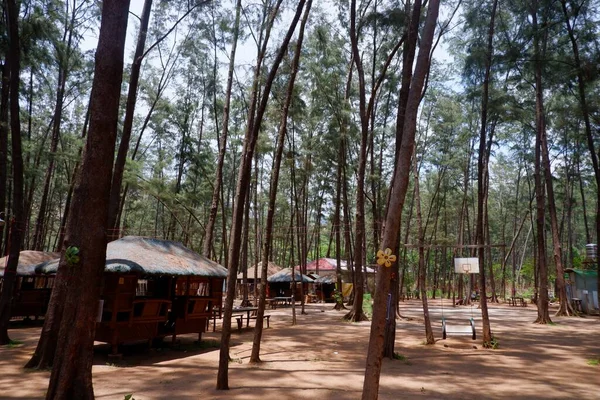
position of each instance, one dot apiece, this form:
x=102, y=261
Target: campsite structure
x=32, y=291
x=280, y=284
x=152, y=289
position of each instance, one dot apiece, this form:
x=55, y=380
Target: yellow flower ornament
x=385, y=257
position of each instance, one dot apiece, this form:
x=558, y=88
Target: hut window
x=203, y=289
x=199, y=288
x=27, y=283
x=142, y=287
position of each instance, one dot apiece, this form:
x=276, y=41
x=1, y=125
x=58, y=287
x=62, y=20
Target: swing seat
x=458, y=330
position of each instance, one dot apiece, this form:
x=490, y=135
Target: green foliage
x=594, y=362
x=72, y=255
x=13, y=344
x=129, y=397
x=367, y=305
x=492, y=344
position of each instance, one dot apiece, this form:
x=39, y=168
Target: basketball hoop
x=466, y=265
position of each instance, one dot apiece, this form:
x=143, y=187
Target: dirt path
x=323, y=358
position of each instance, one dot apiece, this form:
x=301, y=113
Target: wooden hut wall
x=284, y=289
x=193, y=304
x=31, y=296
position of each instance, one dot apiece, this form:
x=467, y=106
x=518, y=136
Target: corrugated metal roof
x=285, y=275
x=272, y=269
x=28, y=259
x=148, y=256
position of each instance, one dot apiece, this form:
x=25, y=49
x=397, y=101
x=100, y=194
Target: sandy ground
x=322, y=357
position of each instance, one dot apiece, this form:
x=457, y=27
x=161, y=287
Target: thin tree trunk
x=253, y=128
x=223, y=140
x=422, y=267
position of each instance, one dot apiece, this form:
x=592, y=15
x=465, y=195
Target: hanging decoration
x=385, y=257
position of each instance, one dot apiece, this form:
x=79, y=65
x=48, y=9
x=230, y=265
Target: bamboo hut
x=280, y=284
x=31, y=292
x=152, y=289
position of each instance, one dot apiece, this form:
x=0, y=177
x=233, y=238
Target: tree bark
x=16, y=222
x=63, y=71
x=119, y=169
x=396, y=204
x=583, y=102
x=4, y=92
x=422, y=267
x=243, y=181
x=268, y=243
x=540, y=124
x=482, y=187
x=71, y=375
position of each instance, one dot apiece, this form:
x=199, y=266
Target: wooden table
x=283, y=301
x=247, y=310
x=516, y=301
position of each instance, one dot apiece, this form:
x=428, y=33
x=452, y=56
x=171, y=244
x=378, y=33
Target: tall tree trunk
x=357, y=314
x=268, y=242
x=4, y=92
x=396, y=204
x=564, y=307
x=73, y=305
x=63, y=71
x=136, y=66
x=482, y=187
x=422, y=267
x=243, y=181
x=223, y=140
x=16, y=222
x=583, y=103
x=540, y=124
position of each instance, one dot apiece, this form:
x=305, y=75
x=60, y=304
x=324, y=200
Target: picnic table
x=281, y=301
x=247, y=310
x=251, y=313
x=517, y=301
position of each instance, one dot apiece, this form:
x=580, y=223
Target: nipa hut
x=252, y=280
x=31, y=292
x=154, y=288
x=326, y=269
x=280, y=284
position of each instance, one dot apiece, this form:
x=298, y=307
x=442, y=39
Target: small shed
x=31, y=294
x=154, y=288
x=582, y=285
x=280, y=284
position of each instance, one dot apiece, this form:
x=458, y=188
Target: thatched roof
x=146, y=256
x=28, y=259
x=272, y=269
x=327, y=279
x=285, y=275
x=329, y=265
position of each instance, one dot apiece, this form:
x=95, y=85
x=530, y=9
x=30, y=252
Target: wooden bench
x=240, y=320
x=459, y=330
x=517, y=301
